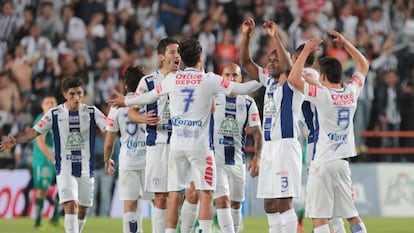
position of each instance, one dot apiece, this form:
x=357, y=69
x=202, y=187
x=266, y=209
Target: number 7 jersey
x=191, y=97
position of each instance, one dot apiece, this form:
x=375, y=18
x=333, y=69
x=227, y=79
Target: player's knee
x=222, y=202
x=191, y=197
x=160, y=200
x=270, y=206
x=235, y=204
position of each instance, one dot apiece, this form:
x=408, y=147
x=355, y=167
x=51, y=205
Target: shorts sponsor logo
x=208, y=174
x=155, y=181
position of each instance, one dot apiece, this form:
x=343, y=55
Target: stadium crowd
x=43, y=42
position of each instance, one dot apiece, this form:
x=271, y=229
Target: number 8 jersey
x=335, y=109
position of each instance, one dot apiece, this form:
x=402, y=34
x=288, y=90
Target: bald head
x=232, y=72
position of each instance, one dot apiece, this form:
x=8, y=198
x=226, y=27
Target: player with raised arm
x=74, y=128
x=329, y=188
x=132, y=151
x=281, y=161
x=232, y=116
x=191, y=94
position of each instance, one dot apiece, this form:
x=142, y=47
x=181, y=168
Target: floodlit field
x=251, y=225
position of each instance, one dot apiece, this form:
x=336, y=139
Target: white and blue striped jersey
x=281, y=108
x=232, y=116
x=133, y=137
x=334, y=117
x=191, y=98
x=160, y=133
x=74, y=137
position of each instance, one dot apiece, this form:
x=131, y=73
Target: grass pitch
x=251, y=225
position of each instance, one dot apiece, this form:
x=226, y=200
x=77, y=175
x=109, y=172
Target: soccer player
x=43, y=164
x=281, y=156
x=158, y=135
x=329, y=188
x=311, y=76
x=73, y=125
x=232, y=116
x=132, y=152
x=191, y=94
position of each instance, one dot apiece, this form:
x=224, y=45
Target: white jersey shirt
x=160, y=133
x=191, y=98
x=132, y=151
x=281, y=108
x=74, y=137
x=334, y=117
x=231, y=117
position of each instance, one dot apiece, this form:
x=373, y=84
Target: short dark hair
x=71, y=82
x=5, y=73
x=311, y=57
x=162, y=45
x=190, y=51
x=332, y=68
x=132, y=77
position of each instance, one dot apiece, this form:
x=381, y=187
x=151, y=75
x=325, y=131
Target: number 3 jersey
x=132, y=152
x=335, y=109
x=74, y=137
x=231, y=117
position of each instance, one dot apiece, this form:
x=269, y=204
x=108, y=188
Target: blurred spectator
x=208, y=42
x=10, y=100
x=226, y=51
x=72, y=27
x=283, y=15
x=378, y=26
x=49, y=23
x=28, y=21
x=9, y=22
x=407, y=114
x=171, y=13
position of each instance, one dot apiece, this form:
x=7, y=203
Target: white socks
x=205, y=226
x=71, y=223
x=81, y=223
x=188, y=216
x=322, y=229
x=337, y=225
x=130, y=223
x=289, y=221
x=225, y=220
x=159, y=220
x=275, y=223
x=236, y=215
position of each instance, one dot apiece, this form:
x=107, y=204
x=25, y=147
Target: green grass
x=251, y=225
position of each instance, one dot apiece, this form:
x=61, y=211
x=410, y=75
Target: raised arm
x=143, y=99
x=273, y=33
x=245, y=57
x=295, y=75
x=360, y=60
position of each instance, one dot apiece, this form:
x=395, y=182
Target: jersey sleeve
x=313, y=93
x=100, y=118
x=218, y=84
x=253, y=114
x=263, y=75
x=142, y=86
x=44, y=124
x=112, y=120
x=356, y=82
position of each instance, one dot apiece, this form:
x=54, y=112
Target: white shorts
x=280, y=169
x=230, y=181
x=309, y=153
x=73, y=188
x=131, y=184
x=329, y=190
x=186, y=166
x=156, y=168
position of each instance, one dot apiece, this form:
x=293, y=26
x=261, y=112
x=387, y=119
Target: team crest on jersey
x=85, y=118
x=241, y=107
x=75, y=141
x=269, y=108
x=229, y=127
x=166, y=115
x=313, y=89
